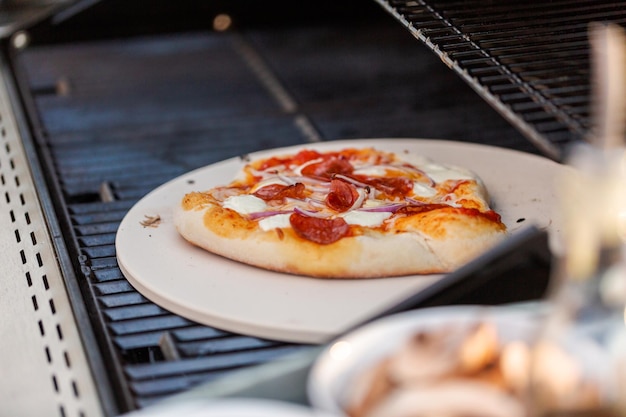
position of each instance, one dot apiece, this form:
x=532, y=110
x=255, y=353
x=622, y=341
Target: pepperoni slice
x=422, y=208
x=322, y=231
x=300, y=158
x=393, y=186
x=305, y=155
x=341, y=196
x=280, y=191
x=271, y=162
x=325, y=169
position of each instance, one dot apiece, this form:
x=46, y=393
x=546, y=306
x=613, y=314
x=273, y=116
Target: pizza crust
x=434, y=242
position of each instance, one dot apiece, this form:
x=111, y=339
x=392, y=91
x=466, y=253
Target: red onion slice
x=414, y=202
x=385, y=208
x=315, y=202
x=405, y=167
x=286, y=179
x=262, y=214
x=310, y=213
x=351, y=181
x=363, y=194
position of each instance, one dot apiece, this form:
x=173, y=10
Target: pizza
x=347, y=213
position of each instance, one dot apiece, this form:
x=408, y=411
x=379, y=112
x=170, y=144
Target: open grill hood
x=529, y=60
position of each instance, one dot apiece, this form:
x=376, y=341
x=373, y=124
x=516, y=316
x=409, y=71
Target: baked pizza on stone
x=349, y=213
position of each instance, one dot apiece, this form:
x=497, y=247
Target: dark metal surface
x=16, y=15
x=115, y=118
x=529, y=60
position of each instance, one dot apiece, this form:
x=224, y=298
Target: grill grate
x=529, y=60
x=107, y=156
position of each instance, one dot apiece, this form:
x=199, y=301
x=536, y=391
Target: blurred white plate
x=241, y=298
x=334, y=372
x=228, y=407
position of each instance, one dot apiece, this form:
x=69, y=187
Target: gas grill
x=101, y=102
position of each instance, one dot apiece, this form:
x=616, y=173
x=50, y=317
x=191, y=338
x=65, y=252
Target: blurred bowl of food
x=227, y=407
x=443, y=361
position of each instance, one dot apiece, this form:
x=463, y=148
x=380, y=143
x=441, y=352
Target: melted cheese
x=372, y=202
x=366, y=218
x=438, y=172
x=245, y=204
x=441, y=173
x=372, y=170
x=274, y=222
x=423, y=190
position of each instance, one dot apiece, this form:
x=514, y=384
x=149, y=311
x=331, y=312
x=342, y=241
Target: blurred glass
x=579, y=359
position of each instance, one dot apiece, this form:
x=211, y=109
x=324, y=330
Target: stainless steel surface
x=44, y=367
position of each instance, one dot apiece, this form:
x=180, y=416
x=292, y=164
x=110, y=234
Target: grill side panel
x=45, y=368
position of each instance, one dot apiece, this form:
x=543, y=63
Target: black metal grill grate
x=114, y=119
x=529, y=60
x=120, y=132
